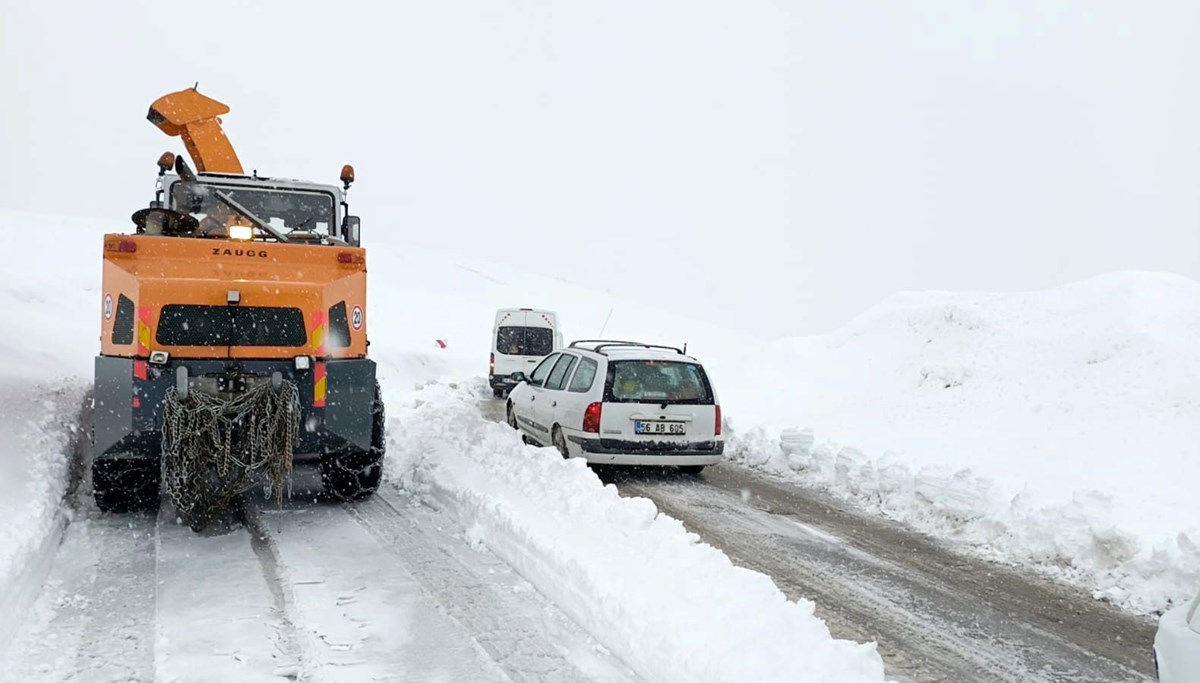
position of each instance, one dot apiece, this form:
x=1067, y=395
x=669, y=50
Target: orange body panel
x=156, y=271
x=193, y=117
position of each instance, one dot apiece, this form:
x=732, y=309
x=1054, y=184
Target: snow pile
x=669, y=606
x=1059, y=428
x=51, y=310
x=36, y=425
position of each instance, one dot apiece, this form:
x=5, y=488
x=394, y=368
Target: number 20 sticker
x=356, y=318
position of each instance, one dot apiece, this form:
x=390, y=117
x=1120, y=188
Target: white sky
x=780, y=165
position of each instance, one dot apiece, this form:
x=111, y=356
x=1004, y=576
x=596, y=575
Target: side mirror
x=352, y=230
x=520, y=377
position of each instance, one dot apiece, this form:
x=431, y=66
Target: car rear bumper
x=621, y=452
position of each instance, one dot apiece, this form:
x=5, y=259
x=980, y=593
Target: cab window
x=543, y=369
x=561, y=371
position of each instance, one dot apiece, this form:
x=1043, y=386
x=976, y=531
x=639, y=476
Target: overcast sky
x=779, y=165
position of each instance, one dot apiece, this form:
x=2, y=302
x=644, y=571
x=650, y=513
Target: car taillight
x=591, y=418
x=492, y=363
x=127, y=246
x=717, y=432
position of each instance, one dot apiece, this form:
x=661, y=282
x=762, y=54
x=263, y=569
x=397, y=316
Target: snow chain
x=215, y=449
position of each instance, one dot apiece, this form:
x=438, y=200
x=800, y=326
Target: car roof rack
x=603, y=343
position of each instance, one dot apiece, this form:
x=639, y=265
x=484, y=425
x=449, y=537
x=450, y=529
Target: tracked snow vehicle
x=233, y=334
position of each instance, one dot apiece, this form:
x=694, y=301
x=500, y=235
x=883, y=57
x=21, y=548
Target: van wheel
x=560, y=442
x=498, y=392
x=691, y=469
x=512, y=419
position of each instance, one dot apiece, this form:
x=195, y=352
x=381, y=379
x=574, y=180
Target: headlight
x=241, y=232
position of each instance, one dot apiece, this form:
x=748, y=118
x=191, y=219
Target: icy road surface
x=381, y=590
x=937, y=616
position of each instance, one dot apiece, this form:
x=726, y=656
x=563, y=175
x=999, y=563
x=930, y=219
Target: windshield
x=657, y=381
x=284, y=210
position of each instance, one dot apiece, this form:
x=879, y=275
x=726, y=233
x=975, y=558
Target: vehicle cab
x=621, y=403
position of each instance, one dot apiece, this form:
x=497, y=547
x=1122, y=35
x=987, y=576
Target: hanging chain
x=214, y=449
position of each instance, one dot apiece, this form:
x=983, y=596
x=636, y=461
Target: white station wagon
x=621, y=403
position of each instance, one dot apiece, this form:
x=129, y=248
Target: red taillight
x=127, y=246
x=591, y=418
x=718, y=428
x=492, y=363
x=350, y=257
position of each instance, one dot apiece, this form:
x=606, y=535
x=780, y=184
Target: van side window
x=561, y=371
x=543, y=369
x=584, y=376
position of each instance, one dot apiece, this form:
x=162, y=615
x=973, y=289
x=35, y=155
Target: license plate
x=643, y=427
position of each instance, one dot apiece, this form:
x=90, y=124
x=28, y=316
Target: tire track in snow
x=289, y=643
x=523, y=632
x=937, y=616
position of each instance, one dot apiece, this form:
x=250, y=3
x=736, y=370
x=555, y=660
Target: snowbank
x=50, y=307
x=37, y=422
x=1059, y=429
x=671, y=607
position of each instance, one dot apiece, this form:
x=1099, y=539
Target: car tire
x=691, y=469
x=511, y=418
x=560, y=442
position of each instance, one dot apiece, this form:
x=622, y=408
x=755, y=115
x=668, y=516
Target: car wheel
x=498, y=392
x=512, y=419
x=560, y=442
x=691, y=469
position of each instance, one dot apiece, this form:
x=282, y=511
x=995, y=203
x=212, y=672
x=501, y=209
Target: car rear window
x=189, y=325
x=656, y=381
x=524, y=341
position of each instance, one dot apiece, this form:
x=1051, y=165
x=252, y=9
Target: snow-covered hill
x=1058, y=428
